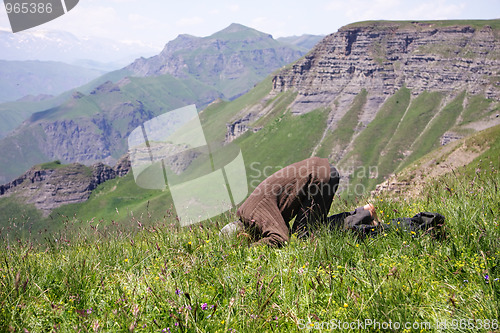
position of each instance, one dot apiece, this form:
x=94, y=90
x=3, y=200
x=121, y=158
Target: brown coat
x=290, y=191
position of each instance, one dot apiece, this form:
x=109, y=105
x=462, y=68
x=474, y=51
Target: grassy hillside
x=404, y=130
x=101, y=276
x=106, y=108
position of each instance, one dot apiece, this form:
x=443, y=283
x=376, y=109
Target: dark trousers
x=357, y=219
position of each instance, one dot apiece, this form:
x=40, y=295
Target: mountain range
x=228, y=60
x=62, y=46
x=92, y=123
x=374, y=98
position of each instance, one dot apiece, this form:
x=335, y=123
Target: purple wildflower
x=89, y=311
x=204, y=306
x=178, y=291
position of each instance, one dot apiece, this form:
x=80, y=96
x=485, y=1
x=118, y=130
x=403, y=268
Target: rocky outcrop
x=449, y=137
x=237, y=128
x=123, y=166
x=391, y=185
x=52, y=185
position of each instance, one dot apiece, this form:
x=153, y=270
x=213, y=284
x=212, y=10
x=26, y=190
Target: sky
x=155, y=22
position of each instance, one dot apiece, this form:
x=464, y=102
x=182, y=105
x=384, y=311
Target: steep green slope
x=406, y=129
x=370, y=144
x=428, y=139
x=337, y=141
x=412, y=124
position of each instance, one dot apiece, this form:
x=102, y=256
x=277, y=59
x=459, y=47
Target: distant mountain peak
x=236, y=27
x=186, y=36
x=240, y=31
x=187, y=55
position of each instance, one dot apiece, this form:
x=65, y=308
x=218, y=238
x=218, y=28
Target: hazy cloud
x=358, y=10
x=189, y=21
x=234, y=7
x=438, y=10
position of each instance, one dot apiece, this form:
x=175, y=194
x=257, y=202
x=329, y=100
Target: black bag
x=422, y=222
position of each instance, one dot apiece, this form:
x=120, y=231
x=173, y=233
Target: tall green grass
x=157, y=277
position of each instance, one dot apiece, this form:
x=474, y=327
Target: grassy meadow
x=94, y=276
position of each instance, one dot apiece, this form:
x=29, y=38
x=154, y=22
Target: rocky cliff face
x=383, y=57
x=96, y=138
x=52, y=185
